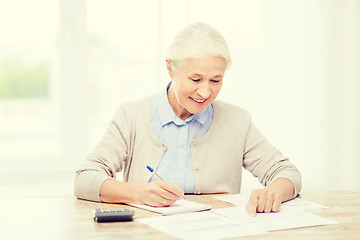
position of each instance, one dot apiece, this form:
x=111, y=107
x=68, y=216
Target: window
x=28, y=129
x=123, y=56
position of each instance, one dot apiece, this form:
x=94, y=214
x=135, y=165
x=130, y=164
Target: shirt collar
x=167, y=115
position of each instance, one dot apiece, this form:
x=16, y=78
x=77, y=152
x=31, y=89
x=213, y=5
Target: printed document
x=232, y=222
x=201, y=225
x=284, y=219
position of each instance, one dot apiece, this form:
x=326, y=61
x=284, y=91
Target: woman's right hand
x=160, y=193
x=157, y=193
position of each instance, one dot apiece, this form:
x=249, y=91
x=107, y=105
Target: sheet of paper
x=302, y=204
x=284, y=219
x=235, y=222
x=236, y=199
x=297, y=203
x=181, y=206
x=201, y=225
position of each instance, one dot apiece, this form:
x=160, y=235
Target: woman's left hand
x=270, y=198
x=263, y=200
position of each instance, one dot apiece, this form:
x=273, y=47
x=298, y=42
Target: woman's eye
x=215, y=81
x=195, y=79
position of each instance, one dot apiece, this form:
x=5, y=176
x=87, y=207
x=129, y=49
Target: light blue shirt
x=176, y=163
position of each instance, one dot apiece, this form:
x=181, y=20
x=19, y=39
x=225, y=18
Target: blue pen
x=152, y=170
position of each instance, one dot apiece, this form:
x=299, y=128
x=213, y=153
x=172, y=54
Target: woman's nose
x=204, y=90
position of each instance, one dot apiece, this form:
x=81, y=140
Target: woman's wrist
x=284, y=187
x=114, y=191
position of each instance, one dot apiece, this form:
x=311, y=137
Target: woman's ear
x=169, y=68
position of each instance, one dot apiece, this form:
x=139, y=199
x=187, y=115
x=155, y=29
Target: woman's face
x=196, y=84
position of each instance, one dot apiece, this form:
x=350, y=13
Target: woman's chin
x=196, y=110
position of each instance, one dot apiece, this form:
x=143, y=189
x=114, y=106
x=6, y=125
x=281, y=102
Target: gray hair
x=196, y=40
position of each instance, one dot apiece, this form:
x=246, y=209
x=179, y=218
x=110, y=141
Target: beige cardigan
x=232, y=142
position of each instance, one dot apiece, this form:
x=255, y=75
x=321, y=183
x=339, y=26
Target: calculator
x=113, y=214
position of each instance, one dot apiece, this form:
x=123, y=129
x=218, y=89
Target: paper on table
x=181, y=206
x=235, y=222
x=236, y=199
x=297, y=203
x=201, y=225
x=302, y=204
x=284, y=219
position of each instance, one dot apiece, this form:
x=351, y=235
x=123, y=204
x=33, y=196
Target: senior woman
x=196, y=144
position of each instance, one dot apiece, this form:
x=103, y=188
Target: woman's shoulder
x=140, y=103
x=136, y=107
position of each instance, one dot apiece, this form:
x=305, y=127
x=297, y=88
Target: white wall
x=295, y=68
x=300, y=79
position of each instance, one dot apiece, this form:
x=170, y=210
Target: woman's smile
x=198, y=100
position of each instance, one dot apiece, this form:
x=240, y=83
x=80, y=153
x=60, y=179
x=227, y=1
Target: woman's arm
x=274, y=170
x=270, y=198
x=157, y=193
x=95, y=179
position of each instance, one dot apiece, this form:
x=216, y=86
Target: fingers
x=159, y=201
x=161, y=193
x=174, y=191
x=263, y=200
x=251, y=206
x=277, y=203
x=268, y=203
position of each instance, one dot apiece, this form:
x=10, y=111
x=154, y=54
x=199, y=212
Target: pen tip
x=150, y=168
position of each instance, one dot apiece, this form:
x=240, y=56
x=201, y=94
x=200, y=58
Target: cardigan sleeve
x=105, y=160
x=266, y=162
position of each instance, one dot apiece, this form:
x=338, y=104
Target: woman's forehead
x=214, y=66
x=195, y=74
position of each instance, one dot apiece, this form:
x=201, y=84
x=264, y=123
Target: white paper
x=201, y=225
x=284, y=219
x=181, y=206
x=236, y=199
x=297, y=204
x=302, y=204
x=236, y=222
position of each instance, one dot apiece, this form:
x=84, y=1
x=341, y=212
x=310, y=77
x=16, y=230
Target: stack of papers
x=200, y=225
x=235, y=222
